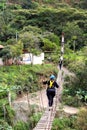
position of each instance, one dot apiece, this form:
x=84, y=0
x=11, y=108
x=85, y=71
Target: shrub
x=4, y=125
x=63, y=124
x=81, y=122
x=21, y=126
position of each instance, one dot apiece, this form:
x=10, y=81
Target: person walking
x=60, y=62
x=51, y=90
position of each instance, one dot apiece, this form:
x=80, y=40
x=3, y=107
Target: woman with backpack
x=51, y=90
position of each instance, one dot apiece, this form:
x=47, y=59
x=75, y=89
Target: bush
x=21, y=126
x=81, y=122
x=4, y=125
x=63, y=124
x=34, y=119
x=75, y=87
x=10, y=115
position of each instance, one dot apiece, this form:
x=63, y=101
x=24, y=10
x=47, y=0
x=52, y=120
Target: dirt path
x=21, y=105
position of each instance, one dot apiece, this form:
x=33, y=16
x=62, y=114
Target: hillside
x=35, y=26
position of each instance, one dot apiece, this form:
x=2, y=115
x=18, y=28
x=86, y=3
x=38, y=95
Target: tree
x=30, y=40
x=16, y=51
x=48, y=45
x=6, y=54
x=73, y=34
x=24, y=3
x=83, y=4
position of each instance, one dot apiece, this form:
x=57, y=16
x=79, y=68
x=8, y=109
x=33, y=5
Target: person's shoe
x=50, y=108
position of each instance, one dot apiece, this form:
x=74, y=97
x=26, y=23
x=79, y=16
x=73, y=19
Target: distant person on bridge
x=51, y=90
x=60, y=62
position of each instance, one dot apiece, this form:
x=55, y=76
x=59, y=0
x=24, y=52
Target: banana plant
x=8, y=90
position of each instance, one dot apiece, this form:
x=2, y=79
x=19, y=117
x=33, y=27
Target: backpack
x=51, y=84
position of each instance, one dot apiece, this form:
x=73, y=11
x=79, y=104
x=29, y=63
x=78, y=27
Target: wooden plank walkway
x=45, y=123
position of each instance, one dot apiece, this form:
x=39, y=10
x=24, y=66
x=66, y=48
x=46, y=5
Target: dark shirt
x=53, y=85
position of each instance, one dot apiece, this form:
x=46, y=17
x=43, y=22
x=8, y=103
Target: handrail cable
x=59, y=75
x=49, y=118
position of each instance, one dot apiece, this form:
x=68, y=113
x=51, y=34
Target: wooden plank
x=45, y=123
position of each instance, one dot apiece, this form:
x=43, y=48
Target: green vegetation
x=36, y=26
x=75, y=86
x=20, y=79
x=71, y=122
x=16, y=77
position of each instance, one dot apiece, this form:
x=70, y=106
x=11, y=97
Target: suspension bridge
x=45, y=123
